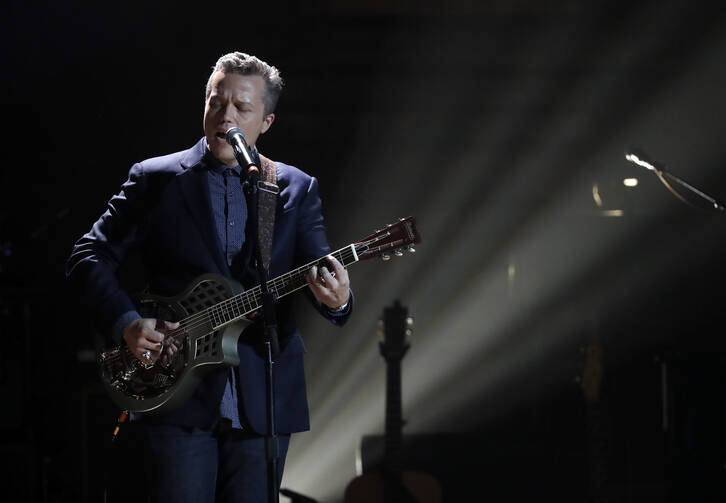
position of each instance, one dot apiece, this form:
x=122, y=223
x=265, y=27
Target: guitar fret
x=251, y=300
x=215, y=316
x=254, y=296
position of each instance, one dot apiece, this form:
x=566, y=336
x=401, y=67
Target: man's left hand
x=332, y=288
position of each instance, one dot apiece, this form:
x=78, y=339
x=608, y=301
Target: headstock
x=395, y=329
x=394, y=238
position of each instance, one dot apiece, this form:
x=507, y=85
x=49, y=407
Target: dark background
x=493, y=123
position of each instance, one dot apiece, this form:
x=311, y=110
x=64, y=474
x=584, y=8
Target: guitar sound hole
x=205, y=294
x=206, y=346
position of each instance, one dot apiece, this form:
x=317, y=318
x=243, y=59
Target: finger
x=336, y=265
x=144, y=344
x=328, y=279
x=339, y=272
x=317, y=289
x=315, y=278
x=152, y=335
x=320, y=291
x=166, y=325
x=312, y=275
x=170, y=349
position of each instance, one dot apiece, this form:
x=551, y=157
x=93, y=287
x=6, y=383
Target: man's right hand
x=147, y=334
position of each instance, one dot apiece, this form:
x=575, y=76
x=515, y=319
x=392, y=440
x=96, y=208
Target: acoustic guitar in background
x=597, y=425
x=393, y=483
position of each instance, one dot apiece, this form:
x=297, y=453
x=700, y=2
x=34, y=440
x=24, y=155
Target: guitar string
x=241, y=304
x=253, y=295
x=296, y=277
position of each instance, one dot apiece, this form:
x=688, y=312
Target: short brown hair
x=245, y=64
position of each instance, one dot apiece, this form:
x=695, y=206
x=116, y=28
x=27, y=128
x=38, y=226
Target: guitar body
x=412, y=486
x=146, y=388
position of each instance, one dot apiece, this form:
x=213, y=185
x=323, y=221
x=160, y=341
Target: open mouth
x=221, y=136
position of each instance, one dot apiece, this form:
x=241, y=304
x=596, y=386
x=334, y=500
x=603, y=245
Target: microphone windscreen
x=232, y=132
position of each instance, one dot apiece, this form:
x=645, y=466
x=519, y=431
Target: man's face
x=234, y=101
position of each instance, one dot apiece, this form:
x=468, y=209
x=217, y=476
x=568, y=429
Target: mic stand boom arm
x=642, y=160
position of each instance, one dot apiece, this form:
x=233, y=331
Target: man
x=185, y=215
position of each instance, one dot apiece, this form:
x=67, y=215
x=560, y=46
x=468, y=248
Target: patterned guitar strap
x=267, y=202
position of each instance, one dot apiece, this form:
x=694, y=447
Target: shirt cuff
x=338, y=309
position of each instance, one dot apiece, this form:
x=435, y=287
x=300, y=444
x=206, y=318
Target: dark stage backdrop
x=501, y=126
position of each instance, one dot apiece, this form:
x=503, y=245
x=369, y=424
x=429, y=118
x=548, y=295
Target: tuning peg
x=398, y=252
x=385, y=256
x=411, y=249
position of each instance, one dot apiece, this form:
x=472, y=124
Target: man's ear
x=267, y=122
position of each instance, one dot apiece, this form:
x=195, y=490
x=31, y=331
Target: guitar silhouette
x=393, y=483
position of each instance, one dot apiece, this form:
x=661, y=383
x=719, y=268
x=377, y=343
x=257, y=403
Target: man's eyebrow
x=245, y=100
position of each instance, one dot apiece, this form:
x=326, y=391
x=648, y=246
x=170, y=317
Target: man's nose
x=229, y=113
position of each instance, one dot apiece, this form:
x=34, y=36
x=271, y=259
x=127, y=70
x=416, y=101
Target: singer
x=186, y=214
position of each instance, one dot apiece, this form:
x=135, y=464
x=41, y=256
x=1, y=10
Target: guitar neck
x=394, y=416
x=249, y=301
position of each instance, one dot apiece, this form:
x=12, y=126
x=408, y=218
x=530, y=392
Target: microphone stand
x=641, y=159
x=270, y=331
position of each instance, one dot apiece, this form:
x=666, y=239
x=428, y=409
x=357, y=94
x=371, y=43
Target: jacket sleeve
x=95, y=257
x=312, y=243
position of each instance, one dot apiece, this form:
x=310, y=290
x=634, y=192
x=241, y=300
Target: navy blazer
x=163, y=216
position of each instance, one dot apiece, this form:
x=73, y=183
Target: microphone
x=639, y=157
x=236, y=137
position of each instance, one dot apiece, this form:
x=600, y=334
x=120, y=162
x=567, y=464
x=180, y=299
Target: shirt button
x=231, y=223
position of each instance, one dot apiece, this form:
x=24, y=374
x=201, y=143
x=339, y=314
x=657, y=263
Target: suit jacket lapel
x=194, y=188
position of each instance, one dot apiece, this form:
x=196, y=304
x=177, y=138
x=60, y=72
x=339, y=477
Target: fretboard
x=249, y=301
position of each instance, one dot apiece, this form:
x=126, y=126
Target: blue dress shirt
x=229, y=208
